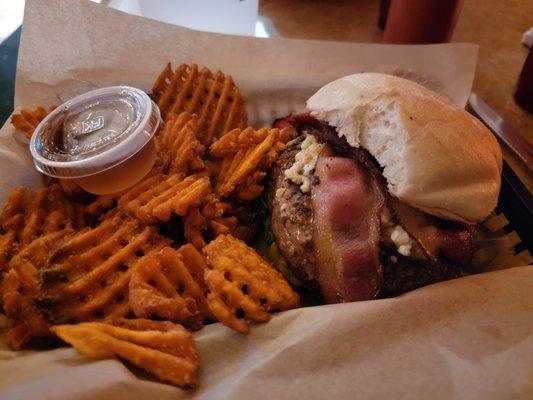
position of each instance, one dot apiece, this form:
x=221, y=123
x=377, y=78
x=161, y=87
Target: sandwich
x=381, y=189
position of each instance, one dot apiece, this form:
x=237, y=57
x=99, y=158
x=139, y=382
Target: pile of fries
x=132, y=273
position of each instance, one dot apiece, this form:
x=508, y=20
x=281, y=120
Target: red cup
x=523, y=94
x=421, y=21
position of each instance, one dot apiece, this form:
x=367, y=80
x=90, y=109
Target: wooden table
x=497, y=26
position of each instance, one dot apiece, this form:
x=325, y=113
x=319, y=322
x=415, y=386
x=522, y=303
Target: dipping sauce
x=102, y=140
x=122, y=176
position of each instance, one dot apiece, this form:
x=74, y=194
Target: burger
x=380, y=191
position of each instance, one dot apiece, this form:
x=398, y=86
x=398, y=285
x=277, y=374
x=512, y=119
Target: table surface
x=497, y=26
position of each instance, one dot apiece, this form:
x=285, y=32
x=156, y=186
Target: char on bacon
x=352, y=263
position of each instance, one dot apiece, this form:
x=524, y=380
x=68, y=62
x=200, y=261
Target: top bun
x=435, y=156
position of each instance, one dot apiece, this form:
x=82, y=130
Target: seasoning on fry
x=162, y=286
x=20, y=288
x=29, y=214
x=243, y=285
x=87, y=278
x=164, y=349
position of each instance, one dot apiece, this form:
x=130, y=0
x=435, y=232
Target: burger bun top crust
x=435, y=156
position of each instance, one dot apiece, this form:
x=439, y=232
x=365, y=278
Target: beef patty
x=292, y=227
x=292, y=219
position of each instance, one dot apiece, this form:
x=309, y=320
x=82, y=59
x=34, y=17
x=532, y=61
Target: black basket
x=516, y=203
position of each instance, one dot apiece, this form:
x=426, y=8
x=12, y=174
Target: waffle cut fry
x=165, y=350
x=27, y=120
x=246, y=155
x=243, y=285
x=87, y=278
x=29, y=214
x=213, y=218
x=20, y=288
x=213, y=97
x=169, y=285
x=180, y=139
x=157, y=197
x=105, y=202
x=101, y=204
x=71, y=189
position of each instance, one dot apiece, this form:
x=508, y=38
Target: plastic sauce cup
x=102, y=140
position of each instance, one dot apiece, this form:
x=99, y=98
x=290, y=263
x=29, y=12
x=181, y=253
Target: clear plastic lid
x=94, y=132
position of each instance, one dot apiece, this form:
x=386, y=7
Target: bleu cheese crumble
x=300, y=173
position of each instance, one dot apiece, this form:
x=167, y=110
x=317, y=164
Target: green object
x=275, y=256
x=281, y=265
x=9, y=50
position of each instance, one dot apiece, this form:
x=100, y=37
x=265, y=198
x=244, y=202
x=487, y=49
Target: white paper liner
x=467, y=338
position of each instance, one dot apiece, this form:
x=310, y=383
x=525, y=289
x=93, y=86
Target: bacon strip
x=326, y=133
x=436, y=237
x=347, y=203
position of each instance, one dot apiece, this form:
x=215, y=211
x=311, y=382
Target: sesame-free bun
x=435, y=156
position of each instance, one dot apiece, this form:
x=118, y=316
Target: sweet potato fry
x=165, y=350
x=180, y=139
x=213, y=218
x=20, y=288
x=87, y=277
x=27, y=120
x=30, y=214
x=163, y=286
x=243, y=285
x=155, y=198
x=246, y=155
x=213, y=97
